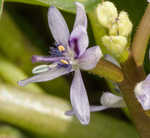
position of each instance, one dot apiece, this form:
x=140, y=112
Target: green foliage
x=66, y=5
x=1, y=6
x=17, y=49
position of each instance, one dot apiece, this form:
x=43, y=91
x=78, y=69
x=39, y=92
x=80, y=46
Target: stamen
x=64, y=61
x=40, y=69
x=61, y=48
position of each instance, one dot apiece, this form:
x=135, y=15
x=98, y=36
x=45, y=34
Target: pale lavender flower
x=108, y=100
x=142, y=93
x=70, y=54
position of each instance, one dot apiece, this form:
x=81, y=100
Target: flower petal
x=93, y=108
x=58, y=26
x=81, y=18
x=45, y=76
x=112, y=60
x=90, y=58
x=79, y=40
x=110, y=100
x=142, y=93
x=79, y=99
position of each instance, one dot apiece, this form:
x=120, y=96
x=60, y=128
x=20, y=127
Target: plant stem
x=133, y=75
x=141, y=38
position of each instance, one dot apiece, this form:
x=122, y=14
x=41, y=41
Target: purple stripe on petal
x=45, y=59
x=79, y=40
x=74, y=45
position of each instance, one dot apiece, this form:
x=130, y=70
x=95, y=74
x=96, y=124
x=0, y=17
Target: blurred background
x=37, y=110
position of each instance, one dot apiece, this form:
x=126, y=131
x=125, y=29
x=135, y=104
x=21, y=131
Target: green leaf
x=108, y=70
x=66, y=5
x=44, y=115
x=1, y=6
x=10, y=132
x=12, y=74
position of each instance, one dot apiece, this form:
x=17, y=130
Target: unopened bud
x=124, y=24
x=114, y=29
x=110, y=100
x=115, y=44
x=107, y=13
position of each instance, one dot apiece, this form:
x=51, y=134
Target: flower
x=70, y=54
x=108, y=100
x=142, y=93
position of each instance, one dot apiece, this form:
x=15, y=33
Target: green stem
x=141, y=38
x=44, y=115
x=133, y=75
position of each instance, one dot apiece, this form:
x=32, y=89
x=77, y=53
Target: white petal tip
x=85, y=122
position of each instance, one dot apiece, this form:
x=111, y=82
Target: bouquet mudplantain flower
x=70, y=54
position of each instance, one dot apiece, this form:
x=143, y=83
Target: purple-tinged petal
x=79, y=99
x=81, y=18
x=45, y=59
x=45, y=76
x=142, y=93
x=95, y=108
x=79, y=40
x=90, y=58
x=58, y=26
x=113, y=101
x=92, y=109
x=112, y=60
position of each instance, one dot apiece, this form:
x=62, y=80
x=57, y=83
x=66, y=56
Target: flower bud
x=124, y=24
x=115, y=44
x=106, y=13
x=142, y=93
x=114, y=30
x=110, y=100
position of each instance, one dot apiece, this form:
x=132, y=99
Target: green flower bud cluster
x=119, y=28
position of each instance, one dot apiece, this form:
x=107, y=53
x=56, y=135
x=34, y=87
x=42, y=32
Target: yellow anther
x=61, y=48
x=64, y=61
